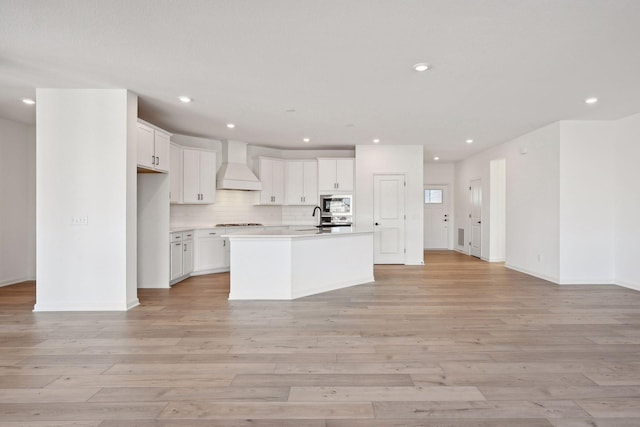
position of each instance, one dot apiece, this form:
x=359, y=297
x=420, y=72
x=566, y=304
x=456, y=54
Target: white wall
x=587, y=199
x=17, y=202
x=626, y=246
x=407, y=159
x=439, y=173
x=532, y=200
x=85, y=167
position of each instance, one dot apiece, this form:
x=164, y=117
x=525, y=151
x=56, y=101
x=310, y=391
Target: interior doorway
x=389, y=219
x=437, y=217
x=475, y=218
x=497, y=210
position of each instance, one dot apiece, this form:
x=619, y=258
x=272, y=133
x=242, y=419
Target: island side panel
x=332, y=262
x=260, y=269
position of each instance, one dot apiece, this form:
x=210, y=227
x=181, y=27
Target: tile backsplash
x=233, y=206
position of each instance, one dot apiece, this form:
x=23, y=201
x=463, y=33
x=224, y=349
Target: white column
x=86, y=170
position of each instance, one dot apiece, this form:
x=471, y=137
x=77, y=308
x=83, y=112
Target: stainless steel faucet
x=319, y=209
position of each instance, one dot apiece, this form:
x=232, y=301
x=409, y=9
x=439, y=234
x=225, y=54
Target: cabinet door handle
x=185, y=247
x=153, y=160
x=212, y=234
x=224, y=243
x=157, y=161
x=178, y=244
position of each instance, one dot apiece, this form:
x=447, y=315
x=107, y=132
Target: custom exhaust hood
x=234, y=174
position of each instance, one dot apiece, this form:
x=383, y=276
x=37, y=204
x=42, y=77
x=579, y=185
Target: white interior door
x=436, y=217
x=388, y=219
x=476, y=218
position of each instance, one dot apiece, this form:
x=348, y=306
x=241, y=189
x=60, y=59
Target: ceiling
x=500, y=68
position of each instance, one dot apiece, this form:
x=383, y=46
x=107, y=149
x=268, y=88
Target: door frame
x=449, y=207
x=470, y=219
x=373, y=210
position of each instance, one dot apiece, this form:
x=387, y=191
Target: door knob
x=445, y=220
x=375, y=223
x=479, y=222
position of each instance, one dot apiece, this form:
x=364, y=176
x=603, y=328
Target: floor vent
x=460, y=236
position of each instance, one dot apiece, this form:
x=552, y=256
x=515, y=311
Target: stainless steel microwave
x=333, y=205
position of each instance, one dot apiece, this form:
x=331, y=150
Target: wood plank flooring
x=457, y=343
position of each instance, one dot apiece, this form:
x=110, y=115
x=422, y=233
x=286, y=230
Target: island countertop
x=299, y=232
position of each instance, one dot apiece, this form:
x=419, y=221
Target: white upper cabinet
x=198, y=176
x=301, y=182
x=146, y=155
x=271, y=172
x=152, y=147
x=335, y=175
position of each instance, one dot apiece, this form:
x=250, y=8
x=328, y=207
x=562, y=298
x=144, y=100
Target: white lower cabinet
x=187, y=253
x=181, y=253
x=176, y=260
x=210, y=251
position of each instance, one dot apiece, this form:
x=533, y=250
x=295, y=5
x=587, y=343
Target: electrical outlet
x=80, y=220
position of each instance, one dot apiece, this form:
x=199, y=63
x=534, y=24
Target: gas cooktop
x=244, y=224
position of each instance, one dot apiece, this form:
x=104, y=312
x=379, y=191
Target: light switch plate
x=80, y=220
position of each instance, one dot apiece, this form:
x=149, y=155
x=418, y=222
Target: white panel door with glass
x=388, y=219
x=436, y=217
x=475, y=218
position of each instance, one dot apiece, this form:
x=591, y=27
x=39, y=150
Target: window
x=433, y=196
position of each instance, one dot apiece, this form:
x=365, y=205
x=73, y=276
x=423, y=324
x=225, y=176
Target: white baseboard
x=202, y=272
x=629, y=284
x=496, y=259
x=133, y=303
x=534, y=274
x=81, y=306
x=586, y=281
x=158, y=286
x=8, y=282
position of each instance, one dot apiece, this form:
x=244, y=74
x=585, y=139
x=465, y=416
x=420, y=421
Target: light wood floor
x=459, y=342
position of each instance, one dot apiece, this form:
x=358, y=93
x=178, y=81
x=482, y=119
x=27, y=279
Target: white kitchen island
x=289, y=264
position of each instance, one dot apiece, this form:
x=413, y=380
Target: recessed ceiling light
x=349, y=125
x=591, y=100
x=436, y=158
x=375, y=141
x=28, y=101
x=306, y=139
x=185, y=99
x=290, y=110
x=421, y=66
x=469, y=141
x=230, y=125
